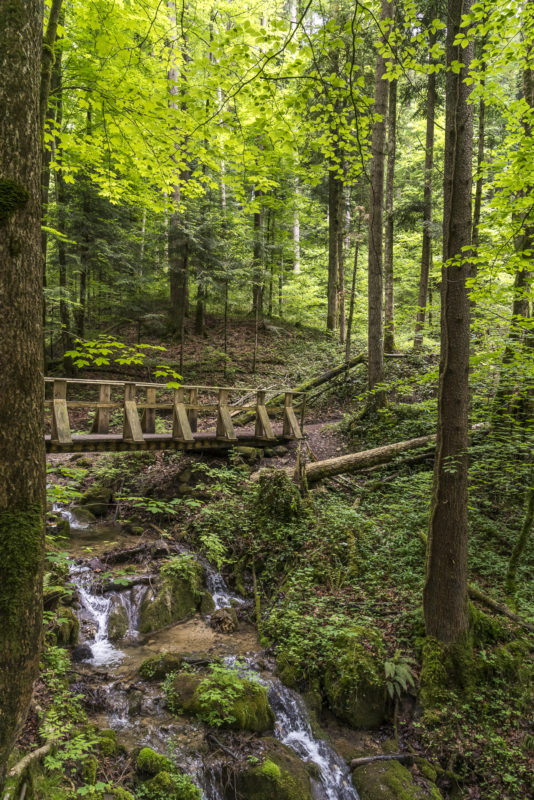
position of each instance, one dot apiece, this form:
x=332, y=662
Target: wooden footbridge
x=202, y=417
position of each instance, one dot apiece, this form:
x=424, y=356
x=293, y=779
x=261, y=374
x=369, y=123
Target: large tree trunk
x=389, y=327
x=335, y=195
x=375, y=336
x=22, y=457
x=426, y=253
x=445, y=592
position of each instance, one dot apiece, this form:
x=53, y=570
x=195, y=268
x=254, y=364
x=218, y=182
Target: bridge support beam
x=148, y=420
x=264, y=428
x=132, y=431
x=291, y=427
x=101, y=420
x=225, y=428
x=60, y=415
x=181, y=430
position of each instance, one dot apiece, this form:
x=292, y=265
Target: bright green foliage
x=169, y=786
x=150, y=763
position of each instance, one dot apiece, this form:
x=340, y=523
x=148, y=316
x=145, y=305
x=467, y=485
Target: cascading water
x=292, y=727
x=217, y=587
x=98, y=608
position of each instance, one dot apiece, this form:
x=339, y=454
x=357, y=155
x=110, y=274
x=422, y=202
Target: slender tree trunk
x=376, y=203
x=522, y=539
x=22, y=456
x=258, y=258
x=341, y=272
x=426, y=253
x=296, y=232
x=353, y=287
x=389, y=326
x=445, y=592
x=335, y=193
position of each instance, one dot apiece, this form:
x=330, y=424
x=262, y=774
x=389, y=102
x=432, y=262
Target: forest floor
x=353, y=557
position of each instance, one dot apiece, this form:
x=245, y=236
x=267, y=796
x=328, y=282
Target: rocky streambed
x=166, y=657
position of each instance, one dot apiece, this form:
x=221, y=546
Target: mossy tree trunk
x=22, y=459
x=445, y=592
x=389, y=325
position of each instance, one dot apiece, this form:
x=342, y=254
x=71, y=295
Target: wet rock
x=66, y=627
x=354, y=681
x=118, y=622
x=150, y=763
x=157, y=668
x=224, y=620
x=135, y=702
x=97, y=500
x=177, y=597
x=207, y=604
x=81, y=652
x=390, y=780
x=244, y=706
x=58, y=525
x=82, y=515
x=171, y=786
x=282, y=775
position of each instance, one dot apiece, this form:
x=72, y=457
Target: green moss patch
x=282, y=775
x=390, y=780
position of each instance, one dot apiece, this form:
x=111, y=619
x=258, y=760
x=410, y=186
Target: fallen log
x=242, y=419
x=360, y=762
x=319, y=470
x=21, y=765
x=499, y=608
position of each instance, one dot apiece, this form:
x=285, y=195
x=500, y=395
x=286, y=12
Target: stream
x=137, y=709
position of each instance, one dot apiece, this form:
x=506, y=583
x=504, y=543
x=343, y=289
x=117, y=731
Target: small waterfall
x=72, y=519
x=98, y=607
x=216, y=586
x=292, y=727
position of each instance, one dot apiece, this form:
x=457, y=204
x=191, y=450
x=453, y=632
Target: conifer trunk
x=375, y=336
x=426, y=252
x=445, y=592
x=22, y=457
x=389, y=326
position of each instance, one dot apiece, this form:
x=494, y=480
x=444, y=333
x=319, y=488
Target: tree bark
x=426, y=253
x=353, y=286
x=522, y=539
x=22, y=459
x=335, y=194
x=445, y=591
x=375, y=337
x=257, y=278
x=389, y=326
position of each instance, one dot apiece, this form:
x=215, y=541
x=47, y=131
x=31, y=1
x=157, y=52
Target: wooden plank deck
x=202, y=442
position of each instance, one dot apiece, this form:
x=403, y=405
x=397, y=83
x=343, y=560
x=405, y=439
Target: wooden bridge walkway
x=116, y=424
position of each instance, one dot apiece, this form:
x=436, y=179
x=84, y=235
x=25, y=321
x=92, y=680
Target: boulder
x=354, y=681
x=118, y=622
x=223, y=699
x=66, y=627
x=81, y=652
x=176, y=596
x=97, y=500
x=224, y=620
x=158, y=667
x=171, y=786
x=282, y=775
x=150, y=763
x=81, y=516
x=390, y=780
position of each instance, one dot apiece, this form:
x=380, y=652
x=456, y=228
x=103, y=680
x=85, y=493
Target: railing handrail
x=149, y=385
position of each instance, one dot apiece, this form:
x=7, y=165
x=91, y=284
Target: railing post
x=148, y=419
x=132, y=427
x=60, y=415
x=192, y=413
x=101, y=420
x=225, y=428
x=181, y=430
x=264, y=428
x=291, y=427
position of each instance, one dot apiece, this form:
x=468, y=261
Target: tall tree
x=426, y=252
x=375, y=336
x=389, y=326
x=22, y=460
x=445, y=592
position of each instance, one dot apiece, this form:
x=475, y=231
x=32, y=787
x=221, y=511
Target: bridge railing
x=186, y=404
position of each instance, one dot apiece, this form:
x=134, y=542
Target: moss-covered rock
x=151, y=763
x=117, y=621
x=156, y=668
x=207, y=603
x=447, y=670
x=282, y=775
x=354, y=682
x=97, y=500
x=177, y=597
x=390, y=780
x=223, y=700
x=66, y=627
x=107, y=742
x=82, y=515
x=90, y=769
x=171, y=786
